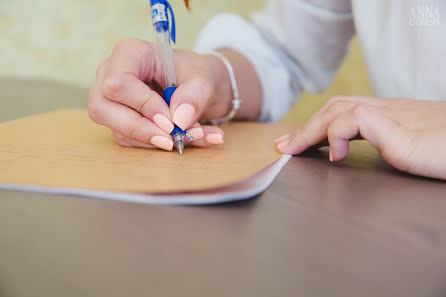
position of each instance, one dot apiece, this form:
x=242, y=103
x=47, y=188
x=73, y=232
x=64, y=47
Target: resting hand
x=409, y=134
x=126, y=97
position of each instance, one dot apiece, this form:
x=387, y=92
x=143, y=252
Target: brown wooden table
x=354, y=228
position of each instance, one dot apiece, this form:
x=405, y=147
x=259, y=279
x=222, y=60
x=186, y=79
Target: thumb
x=189, y=101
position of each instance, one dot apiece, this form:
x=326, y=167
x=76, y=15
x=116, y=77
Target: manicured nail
x=163, y=122
x=214, y=138
x=162, y=142
x=282, y=144
x=184, y=115
x=330, y=155
x=281, y=138
x=196, y=133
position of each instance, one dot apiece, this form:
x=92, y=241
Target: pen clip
x=172, y=25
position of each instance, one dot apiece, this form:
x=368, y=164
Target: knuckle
x=136, y=133
x=113, y=84
x=94, y=112
x=121, y=140
x=145, y=105
x=331, y=130
x=334, y=99
x=337, y=105
x=122, y=44
x=359, y=111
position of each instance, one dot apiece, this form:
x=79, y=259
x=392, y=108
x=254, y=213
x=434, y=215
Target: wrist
x=221, y=101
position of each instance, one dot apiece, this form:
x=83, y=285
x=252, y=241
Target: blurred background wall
x=66, y=40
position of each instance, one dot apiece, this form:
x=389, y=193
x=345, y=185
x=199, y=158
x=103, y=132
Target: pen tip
x=181, y=152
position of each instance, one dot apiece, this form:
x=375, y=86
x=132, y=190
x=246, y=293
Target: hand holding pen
x=165, y=33
x=127, y=96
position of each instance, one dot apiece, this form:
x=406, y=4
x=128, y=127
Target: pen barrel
x=163, y=34
x=165, y=58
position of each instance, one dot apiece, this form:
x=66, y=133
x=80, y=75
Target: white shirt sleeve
x=293, y=45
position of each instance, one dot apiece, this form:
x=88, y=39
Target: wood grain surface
x=353, y=228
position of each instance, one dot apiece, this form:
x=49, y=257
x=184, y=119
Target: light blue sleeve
x=293, y=46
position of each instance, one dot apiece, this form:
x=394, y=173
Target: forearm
x=248, y=83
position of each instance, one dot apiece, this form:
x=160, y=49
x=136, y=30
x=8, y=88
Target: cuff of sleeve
x=232, y=32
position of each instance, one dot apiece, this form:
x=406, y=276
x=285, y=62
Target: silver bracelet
x=236, y=102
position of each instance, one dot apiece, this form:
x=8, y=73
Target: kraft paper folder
x=64, y=152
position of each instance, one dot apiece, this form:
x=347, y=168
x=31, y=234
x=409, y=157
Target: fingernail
x=330, y=155
x=281, y=138
x=196, y=133
x=162, y=142
x=282, y=144
x=184, y=115
x=163, y=122
x=214, y=138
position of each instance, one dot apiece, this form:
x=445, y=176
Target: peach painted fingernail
x=281, y=138
x=214, y=138
x=162, y=142
x=184, y=115
x=163, y=122
x=196, y=133
x=282, y=144
x=330, y=155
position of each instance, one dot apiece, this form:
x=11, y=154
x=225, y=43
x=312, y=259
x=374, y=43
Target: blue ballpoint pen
x=160, y=20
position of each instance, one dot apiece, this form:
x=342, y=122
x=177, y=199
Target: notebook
x=64, y=152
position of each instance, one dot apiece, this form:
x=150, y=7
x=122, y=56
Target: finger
x=211, y=136
x=136, y=57
x=125, y=120
x=189, y=100
x=195, y=132
x=335, y=106
x=281, y=138
x=125, y=141
x=314, y=131
x=95, y=95
x=389, y=138
x=123, y=83
x=95, y=98
x=136, y=127
x=128, y=90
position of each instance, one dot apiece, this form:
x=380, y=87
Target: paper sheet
x=64, y=152
x=239, y=191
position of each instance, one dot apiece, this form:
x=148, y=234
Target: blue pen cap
x=160, y=17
